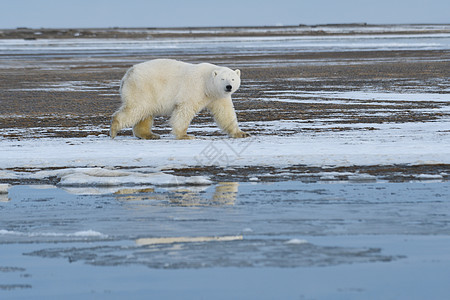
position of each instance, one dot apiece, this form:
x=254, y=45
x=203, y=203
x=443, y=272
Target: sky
x=192, y=13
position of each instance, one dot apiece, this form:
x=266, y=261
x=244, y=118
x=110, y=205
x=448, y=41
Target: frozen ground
x=342, y=192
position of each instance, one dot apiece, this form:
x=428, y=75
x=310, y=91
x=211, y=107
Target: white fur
x=169, y=87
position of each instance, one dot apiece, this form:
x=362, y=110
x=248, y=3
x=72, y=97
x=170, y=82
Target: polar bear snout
x=228, y=88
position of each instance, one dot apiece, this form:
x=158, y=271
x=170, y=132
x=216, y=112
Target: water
x=279, y=240
x=212, y=46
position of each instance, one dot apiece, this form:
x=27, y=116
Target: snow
x=107, y=177
x=406, y=143
x=362, y=177
x=392, y=98
x=428, y=176
x=73, y=86
x=100, y=161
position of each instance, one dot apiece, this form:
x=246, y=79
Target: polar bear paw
x=148, y=136
x=240, y=134
x=185, y=137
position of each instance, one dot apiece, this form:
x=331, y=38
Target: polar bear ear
x=238, y=72
x=215, y=73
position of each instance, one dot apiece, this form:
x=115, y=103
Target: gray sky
x=169, y=13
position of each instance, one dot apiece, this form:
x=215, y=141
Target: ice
x=82, y=234
x=428, y=176
x=87, y=233
x=357, y=95
x=108, y=177
x=125, y=161
x=362, y=177
x=7, y=174
x=220, y=45
x=74, y=86
x=296, y=242
x=197, y=239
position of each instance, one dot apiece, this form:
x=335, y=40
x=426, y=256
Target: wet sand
x=21, y=95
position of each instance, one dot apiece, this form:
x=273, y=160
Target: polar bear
x=169, y=87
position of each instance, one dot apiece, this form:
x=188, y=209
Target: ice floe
x=79, y=234
x=296, y=242
x=186, y=239
x=108, y=177
x=428, y=176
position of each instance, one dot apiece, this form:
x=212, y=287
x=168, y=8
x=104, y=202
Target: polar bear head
x=226, y=81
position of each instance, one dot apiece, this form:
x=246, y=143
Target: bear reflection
x=224, y=194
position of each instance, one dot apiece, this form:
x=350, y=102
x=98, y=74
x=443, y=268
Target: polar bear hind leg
x=143, y=129
x=125, y=117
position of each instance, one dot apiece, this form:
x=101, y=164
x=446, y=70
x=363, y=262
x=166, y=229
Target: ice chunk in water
x=296, y=242
x=109, y=177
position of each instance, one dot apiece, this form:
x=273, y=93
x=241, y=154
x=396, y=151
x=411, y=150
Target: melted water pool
x=264, y=240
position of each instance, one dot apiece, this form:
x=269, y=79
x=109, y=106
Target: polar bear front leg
x=143, y=129
x=122, y=118
x=180, y=120
x=225, y=117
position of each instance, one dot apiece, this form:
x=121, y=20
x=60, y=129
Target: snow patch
x=108, y=177
x=5, y=174
x=362, y=177
x=82, y=234
x=356, y=95
x=428, y=176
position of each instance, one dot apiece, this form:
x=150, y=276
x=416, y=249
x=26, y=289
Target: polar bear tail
x=125, y=79
x=127, y=115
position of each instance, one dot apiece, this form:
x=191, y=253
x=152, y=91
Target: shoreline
x=244, y=31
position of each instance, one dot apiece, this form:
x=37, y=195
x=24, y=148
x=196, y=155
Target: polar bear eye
x=232, y=79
